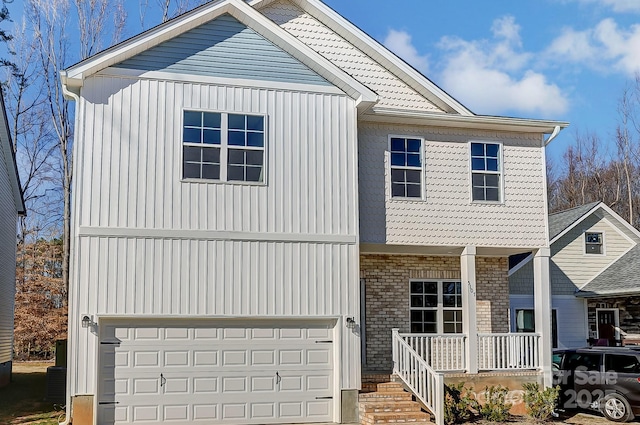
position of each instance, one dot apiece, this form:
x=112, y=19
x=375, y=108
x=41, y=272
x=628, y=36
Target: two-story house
x=263, y=194
x=11, y=205
x=595, y=261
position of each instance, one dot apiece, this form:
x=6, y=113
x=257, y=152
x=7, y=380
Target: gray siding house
x=11, y=205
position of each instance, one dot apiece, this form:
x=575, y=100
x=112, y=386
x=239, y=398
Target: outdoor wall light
x=351, y=323
x=86, y=321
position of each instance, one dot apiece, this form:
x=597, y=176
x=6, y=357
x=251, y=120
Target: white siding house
x=11, y=205
x=236, y=176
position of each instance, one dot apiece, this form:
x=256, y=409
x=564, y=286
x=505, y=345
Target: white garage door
x=198, y=372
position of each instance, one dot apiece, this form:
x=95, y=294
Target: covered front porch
x=429, y=313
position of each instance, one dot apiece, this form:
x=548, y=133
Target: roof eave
x=479, y=122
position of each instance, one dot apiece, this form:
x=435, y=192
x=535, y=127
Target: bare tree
x=168, y=8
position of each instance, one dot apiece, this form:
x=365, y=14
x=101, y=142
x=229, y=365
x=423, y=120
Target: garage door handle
x=163, y=380
x=278, y=378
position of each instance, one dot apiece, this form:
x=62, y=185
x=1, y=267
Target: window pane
x=254, y=174
x=193, y=118
x=492, y=180
x=398, y=159
x=211, y=120
x=429, y=316
x=413, y=160
x=477, y=179
x=431, y=288
x=477, y=164
x=237, y=121
x=417, y=301
x=413, y=145
x=397, y=190
x=492, y=194
x=236, y=156
x=255, y=157
x=431, y=301
x=477, y=149
x=594, y=237
x=449, y=300
x=413, y=176
x=210, y=171
x=621, y=363
x=191, y=171
x=236, y=138
x=492, y=164
x=211, y=136
x=211, y=155
x=449, y=328
x=255, y=123
x=192, y=135
x=416, y=316
x=192, y=154
x=416, y=287
x=397, y=145
x=397, y=176
x=492, y=150
x=450, y=287
x=416, y=327
x=413, y=191
x=478, y=194
x=255, y=139
x=235, y=173
x=430, y=328
x=593, y=249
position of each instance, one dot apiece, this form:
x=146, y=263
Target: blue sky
x=556, y=59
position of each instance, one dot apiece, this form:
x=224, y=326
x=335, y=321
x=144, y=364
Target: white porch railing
x=508, y=351
x=425, y=383
x=441, y=352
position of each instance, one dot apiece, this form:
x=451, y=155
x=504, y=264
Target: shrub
x=495, y=407
x=459, y=404
x=540, y=404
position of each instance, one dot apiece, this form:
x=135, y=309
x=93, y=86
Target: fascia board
x=74, y=75
x=10, y=161
x=621, y=221
x=480, y=122
x=378, y=52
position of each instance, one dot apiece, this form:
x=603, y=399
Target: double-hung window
x=222, y=146
x=436, y=306
x=526, y=322
x=486, y=172
x=406, y=167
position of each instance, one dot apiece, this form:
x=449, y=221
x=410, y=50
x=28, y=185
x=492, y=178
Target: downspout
x=553, y=135
x=75, y=97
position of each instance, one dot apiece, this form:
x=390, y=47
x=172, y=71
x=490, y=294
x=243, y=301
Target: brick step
x=389, y=406
x=389, y=395
x=390, y=386
x=369, y=387
x=396, y=418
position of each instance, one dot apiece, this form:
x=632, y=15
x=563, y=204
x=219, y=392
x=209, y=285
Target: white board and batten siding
x=8, y=222
x=446, y=216
x=150, y=245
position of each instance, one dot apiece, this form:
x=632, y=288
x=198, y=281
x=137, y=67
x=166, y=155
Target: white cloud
x=605, y=47
x=399, y=42
x=621, y=6
x=496, y=76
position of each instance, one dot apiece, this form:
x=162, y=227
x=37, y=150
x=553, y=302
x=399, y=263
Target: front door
x=607, y=325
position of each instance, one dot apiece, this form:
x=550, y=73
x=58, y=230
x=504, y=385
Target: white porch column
x=542, y=305
x=469, y=320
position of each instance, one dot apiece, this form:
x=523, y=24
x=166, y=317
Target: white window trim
x=440, y=309
x=423, y=190
x=584, y=244
x=500, y=173
x=224, y=148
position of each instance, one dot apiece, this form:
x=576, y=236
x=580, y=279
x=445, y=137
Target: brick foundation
x=387, y=296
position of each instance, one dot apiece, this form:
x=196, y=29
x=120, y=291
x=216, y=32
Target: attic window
x=593, y=242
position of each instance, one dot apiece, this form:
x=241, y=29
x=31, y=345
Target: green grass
x=22, y=402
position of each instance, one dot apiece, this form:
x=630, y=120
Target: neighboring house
x=595, y=260
x=11, y=205
x=263, y=194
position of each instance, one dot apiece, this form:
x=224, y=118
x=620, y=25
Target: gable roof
x=9, y=157
x=563, y=220
x=619, y=279
x=72, y=78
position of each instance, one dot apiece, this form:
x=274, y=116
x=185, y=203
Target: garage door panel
x=212, y=375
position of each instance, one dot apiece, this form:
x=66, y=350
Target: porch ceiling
x=371, y=248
